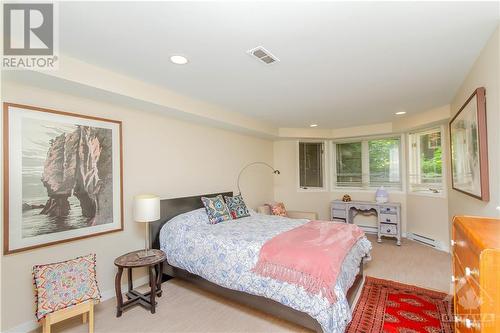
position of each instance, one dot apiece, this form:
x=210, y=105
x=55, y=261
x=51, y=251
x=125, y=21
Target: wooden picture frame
x=63, y=177
x=469, y=148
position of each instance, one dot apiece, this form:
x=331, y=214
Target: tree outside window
x=426, y=161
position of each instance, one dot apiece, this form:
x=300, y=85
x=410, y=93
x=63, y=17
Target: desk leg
x=152, y=283
x=379, y=237
x=399, y=227
x=118, y=290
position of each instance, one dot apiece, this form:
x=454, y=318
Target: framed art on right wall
x=469, y=148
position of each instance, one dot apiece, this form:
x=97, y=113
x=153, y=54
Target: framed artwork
x=62, y=177
x=469, y=148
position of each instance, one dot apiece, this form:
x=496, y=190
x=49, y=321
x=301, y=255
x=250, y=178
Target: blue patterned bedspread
x=225, y=253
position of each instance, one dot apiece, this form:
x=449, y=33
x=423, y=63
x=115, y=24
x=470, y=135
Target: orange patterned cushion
x=63, y=284
x=278, y=208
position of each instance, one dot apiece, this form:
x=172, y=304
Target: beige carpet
x=183, y=308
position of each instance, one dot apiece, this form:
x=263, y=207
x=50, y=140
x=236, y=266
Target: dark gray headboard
x=170, y=208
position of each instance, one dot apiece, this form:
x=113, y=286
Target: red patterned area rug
x=390, y=307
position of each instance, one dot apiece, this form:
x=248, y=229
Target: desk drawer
x=388, y=229
x=388, y=218
x=388, y=210
x=339, y=205
x=338, y=213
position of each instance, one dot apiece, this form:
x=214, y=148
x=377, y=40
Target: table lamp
x=146, y=209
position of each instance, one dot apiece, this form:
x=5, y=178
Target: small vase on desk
x=381, y=196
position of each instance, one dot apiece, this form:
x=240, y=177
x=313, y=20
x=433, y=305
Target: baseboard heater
x=425, y=240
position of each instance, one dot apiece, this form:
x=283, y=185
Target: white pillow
x=192, y=217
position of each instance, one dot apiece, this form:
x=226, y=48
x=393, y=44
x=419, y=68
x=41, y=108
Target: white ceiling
x=342, y=64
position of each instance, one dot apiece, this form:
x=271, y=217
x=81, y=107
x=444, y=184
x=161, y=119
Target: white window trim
x=325, y=166
x=366, y=166
x=444, y=156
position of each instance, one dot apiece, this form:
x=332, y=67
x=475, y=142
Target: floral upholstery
x=63, y=284
x=278, y=209
x=216, y=208
x=237, y=207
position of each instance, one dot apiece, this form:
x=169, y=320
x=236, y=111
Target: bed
x=218, y=258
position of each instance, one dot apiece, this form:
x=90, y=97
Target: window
x=368, y=163
x=425, y=161
x=311, y=164
x=384, y=162
x=349, y=171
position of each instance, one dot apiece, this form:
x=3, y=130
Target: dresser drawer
x=462, y=245
x=467, y=270
x=467, y=299
x=466, y=255
x=388, y=229
x=460, y=326
x=389, y=218
x=467, y=290
x=476, y=262
x=468, y=324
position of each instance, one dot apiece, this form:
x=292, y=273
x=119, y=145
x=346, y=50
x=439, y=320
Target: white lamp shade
x=146, y=208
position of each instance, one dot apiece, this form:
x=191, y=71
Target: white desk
x=388, y=215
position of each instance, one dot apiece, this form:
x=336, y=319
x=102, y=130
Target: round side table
x=154, y=264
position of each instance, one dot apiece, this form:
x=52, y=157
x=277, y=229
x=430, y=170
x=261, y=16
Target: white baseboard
x=105, y=295
x=24, y=327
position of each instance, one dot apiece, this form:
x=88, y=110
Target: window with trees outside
x=311, y=165
x=425, y=173
x=368, y=163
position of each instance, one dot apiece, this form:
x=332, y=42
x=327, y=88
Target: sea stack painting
x=63, y=177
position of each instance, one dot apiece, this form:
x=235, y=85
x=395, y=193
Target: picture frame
x=63, y=177
x=469, y=147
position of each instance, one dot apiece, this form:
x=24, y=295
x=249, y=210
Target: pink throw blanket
x=310, y=256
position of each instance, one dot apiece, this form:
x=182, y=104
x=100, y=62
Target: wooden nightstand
x=155, y=267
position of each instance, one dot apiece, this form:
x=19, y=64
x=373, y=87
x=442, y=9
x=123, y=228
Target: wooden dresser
x=476, y=274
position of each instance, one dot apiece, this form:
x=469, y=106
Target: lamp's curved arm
x=275, y=171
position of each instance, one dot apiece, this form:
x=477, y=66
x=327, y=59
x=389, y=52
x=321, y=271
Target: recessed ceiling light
x=313, y=125
x=400, y=113
x=178, y=60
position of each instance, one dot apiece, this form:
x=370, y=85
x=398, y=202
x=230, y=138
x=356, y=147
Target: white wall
x=161, y=155
x=427, y=215
x=484, y=73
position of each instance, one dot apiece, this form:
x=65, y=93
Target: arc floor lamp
x=275, y=171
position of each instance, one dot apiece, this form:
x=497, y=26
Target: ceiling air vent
x=263, y=55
